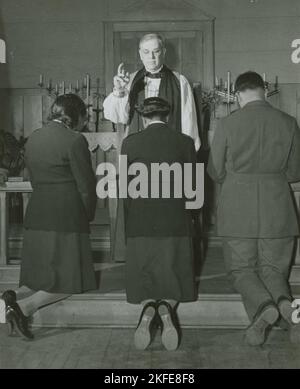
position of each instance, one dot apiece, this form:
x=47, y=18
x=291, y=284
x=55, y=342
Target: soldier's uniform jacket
x=254, y=155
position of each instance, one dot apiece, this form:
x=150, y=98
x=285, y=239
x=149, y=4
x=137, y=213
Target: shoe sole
x=169, y=336
x=286, y=311
x=142, y=336
x=268, y=317
x=2, y=312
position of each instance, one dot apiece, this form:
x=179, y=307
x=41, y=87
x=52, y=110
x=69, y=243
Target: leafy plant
x=12, y=153
x=210, y=100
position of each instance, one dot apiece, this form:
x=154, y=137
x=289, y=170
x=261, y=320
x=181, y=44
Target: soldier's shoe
x=256, y=332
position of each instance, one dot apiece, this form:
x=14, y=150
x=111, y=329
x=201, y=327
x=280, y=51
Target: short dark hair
x=249, y=80
x=68, y=108
x=154, y=107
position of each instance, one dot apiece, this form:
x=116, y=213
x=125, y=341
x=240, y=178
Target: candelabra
x=271, y=89
x=225, y=91
x=60, y=87
x=97, y=106
x=93, y=101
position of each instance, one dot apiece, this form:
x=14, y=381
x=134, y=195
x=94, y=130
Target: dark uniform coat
x=254, y=155
x=159, y=253
x=56, y=253
x=63, y=181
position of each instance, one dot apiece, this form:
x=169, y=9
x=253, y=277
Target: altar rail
x=25, y=189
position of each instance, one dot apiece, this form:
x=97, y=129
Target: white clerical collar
x=156, y=71
x=61, y=122
x=156, y=121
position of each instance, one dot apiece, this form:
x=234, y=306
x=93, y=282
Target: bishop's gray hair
x=151, y=36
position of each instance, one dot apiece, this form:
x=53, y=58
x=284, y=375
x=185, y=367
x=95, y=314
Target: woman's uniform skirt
x=160, y=268
x=57, y=262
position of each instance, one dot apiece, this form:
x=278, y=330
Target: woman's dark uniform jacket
x=64, y=186
x=57, y=255
x=158, y=217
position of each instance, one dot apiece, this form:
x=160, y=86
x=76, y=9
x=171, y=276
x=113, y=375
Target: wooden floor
x=114, y=348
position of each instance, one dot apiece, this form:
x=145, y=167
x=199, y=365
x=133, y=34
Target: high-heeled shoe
x=169, y=326
x=15, y=318
x=144, y=332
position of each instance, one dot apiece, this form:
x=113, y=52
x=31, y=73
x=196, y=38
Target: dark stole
x=169, y=90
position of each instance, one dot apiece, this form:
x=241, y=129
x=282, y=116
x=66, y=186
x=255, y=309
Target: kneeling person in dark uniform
x=159, y=252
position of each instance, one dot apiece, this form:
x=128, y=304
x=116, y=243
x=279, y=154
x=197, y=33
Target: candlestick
x=87, y=85
x=229, y=85
x=217, y=82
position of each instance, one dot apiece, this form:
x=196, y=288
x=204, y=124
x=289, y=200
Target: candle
x=41, y=79
x=56, y=89
x=217, y=82
x=264, y=77
x=50, y=84
x=87, y=85
x=77, y=85
x=229, y=84
x=70, y=88
x=63, y=87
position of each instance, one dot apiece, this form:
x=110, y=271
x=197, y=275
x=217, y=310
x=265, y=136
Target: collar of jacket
x=257, y=103
x=156, y=123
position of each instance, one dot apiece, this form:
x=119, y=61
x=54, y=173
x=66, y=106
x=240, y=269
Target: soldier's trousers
x=259, y=269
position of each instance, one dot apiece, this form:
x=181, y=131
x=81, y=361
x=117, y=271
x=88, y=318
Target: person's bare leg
x=24, y=292
x=39, y=299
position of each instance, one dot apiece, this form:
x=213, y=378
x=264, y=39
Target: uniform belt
x=256, y=176
x=54, y=186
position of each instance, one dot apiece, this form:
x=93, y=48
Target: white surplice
x=116, y=109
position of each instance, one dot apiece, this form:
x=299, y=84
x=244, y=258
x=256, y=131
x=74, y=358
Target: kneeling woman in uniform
x=56, y=260
x=159, y=251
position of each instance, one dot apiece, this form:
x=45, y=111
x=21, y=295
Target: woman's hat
x=153, y=106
